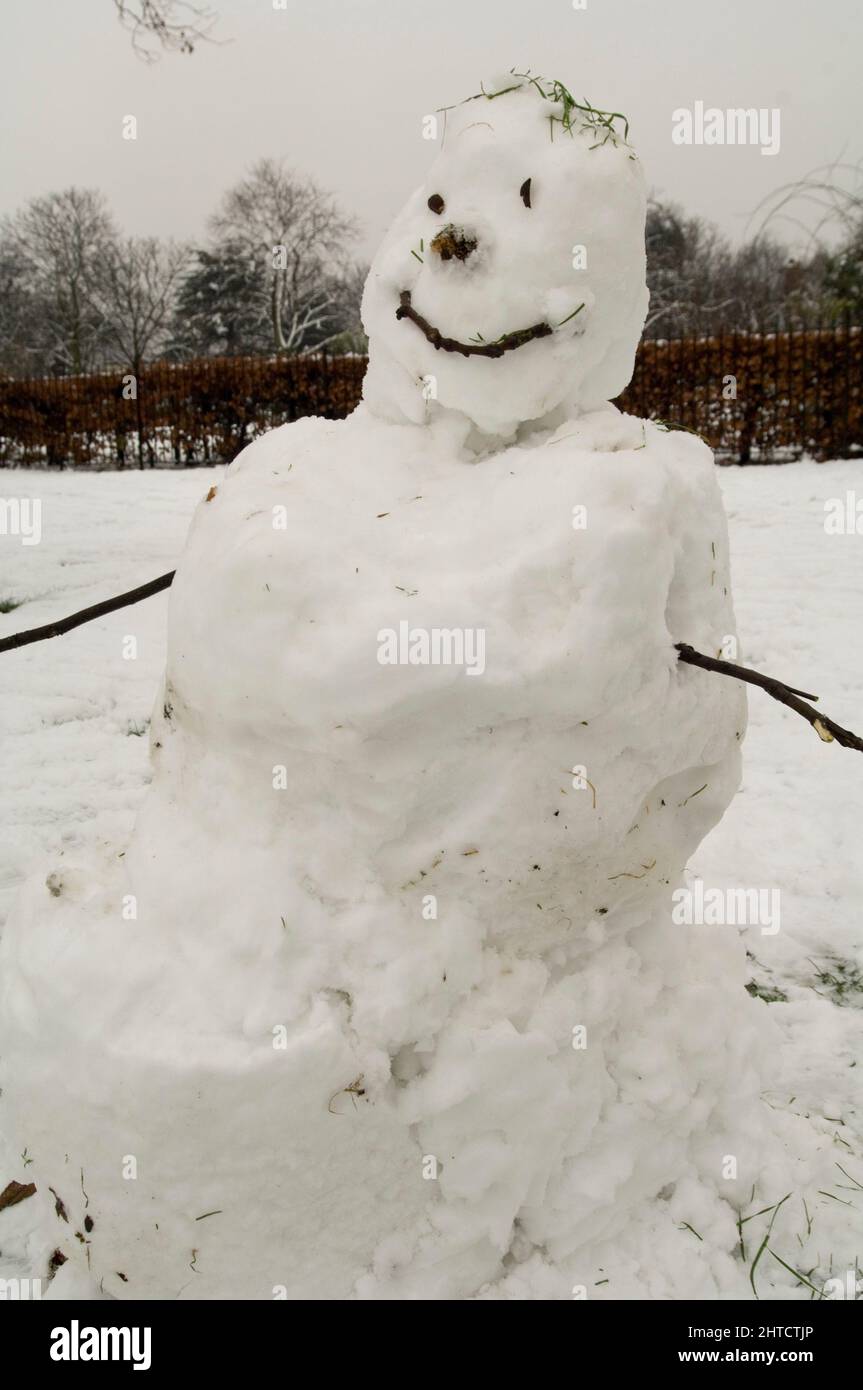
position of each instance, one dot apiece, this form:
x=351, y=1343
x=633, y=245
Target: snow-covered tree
x=347, y=293
x=844, y=277
x=220, y=310
x=19, y=311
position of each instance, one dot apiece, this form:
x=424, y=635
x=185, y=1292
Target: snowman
x=385, y=998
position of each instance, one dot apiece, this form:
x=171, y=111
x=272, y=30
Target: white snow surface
x=298, y=909
x=74, y=776
x=384, y=997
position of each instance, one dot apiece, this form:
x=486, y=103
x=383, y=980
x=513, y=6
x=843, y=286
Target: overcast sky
x=339, y=88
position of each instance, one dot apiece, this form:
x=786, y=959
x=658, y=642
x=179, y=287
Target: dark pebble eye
x=436, y=203
x=524, y=193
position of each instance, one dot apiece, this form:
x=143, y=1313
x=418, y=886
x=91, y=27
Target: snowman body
x=402, y=1011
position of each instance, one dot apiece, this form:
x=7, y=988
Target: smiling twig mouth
x=507, y=343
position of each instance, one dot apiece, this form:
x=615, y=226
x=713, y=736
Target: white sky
x=339, y=87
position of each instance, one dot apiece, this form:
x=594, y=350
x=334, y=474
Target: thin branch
x=507, y=343
x=86, y=615
x=825, y=728
x=173, y=25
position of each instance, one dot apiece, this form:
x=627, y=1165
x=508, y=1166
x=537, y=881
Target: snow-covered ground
x=74, y=758
x=795, y=823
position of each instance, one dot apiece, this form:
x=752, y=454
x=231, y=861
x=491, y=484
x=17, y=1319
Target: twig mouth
x=508, y=343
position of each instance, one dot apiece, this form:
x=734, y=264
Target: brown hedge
x=204, y=411
x=758, y=396
x=785, y=394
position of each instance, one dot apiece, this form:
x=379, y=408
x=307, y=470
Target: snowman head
x=513, y=281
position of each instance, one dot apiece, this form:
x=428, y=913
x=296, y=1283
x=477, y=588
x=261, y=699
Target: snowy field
x=75, y=713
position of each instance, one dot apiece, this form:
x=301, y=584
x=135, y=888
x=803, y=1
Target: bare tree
x=766, y=285
x=300, y=239
x=20, y=312
x=171, y=25
x=699, y=282
x=828, y=200
x=825, y=211
x=62, y=242
x=135, y=294
x=688, y=265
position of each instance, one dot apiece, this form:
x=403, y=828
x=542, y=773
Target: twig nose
x=453, y=243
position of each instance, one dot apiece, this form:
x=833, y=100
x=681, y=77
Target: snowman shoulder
x=678, y=443
x=276, y=451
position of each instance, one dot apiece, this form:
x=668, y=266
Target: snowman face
x=513, y=279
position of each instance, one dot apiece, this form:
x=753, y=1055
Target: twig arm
x=825, y=728
x=86, y=615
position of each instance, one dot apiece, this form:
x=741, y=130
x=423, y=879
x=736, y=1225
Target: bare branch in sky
x=172, y=26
